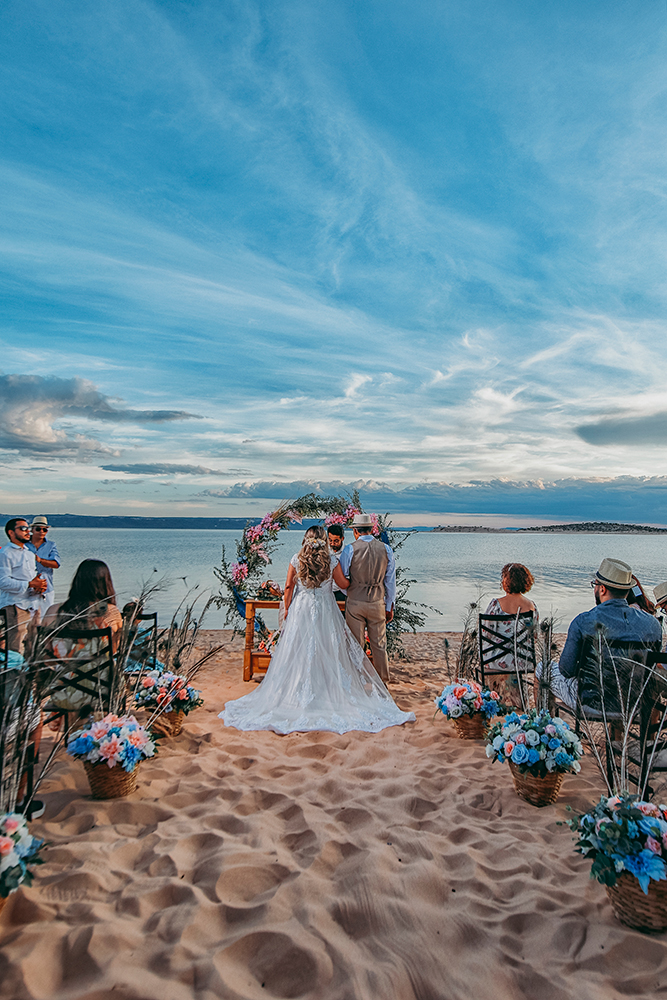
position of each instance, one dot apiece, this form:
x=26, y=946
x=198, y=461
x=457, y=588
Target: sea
x=450, y=570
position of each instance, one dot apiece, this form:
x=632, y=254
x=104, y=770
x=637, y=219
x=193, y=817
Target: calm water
x=449, y=569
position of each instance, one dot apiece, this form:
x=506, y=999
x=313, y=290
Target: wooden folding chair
x=90, y=672
x=143, y=651
x=518, y=646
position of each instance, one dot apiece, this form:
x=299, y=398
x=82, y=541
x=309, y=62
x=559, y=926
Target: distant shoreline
x=584, y=527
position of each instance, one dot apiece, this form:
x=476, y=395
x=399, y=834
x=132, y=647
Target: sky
x=249, y=248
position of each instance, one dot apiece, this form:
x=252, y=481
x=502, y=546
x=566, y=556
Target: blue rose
x=652, y=825
x=645, y=866
x=81, y=745
x=533, y=755
x=520, y=754
x=544, y=738
x=554, y=744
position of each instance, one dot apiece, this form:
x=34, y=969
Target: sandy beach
x=398, y=865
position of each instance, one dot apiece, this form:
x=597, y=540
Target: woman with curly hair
x=516, y=580
x=319, y=677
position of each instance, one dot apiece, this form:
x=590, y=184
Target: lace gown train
x=319, y=677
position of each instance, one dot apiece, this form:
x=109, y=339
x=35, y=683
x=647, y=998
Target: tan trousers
x=370, y=616
x=17, y=625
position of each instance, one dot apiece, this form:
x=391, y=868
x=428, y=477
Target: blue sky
x=399, y=242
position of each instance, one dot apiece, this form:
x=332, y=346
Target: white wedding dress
x=319, y=678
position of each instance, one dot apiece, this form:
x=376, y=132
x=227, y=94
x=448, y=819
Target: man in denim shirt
x=613, y=613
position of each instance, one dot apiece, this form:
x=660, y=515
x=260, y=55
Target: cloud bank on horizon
x=417, y=245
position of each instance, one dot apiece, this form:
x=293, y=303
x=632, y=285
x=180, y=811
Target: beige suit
x=365, y=608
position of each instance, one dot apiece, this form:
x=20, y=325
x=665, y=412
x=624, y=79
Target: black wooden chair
x=517, y=646
x=143, y=641
x=19, y=759
x=608, y=691
x=85, y=681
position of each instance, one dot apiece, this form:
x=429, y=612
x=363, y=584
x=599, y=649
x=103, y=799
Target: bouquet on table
x=112, y=741
x=469, y=706
x=540, y=750
x=18, y=849
x=167, y=692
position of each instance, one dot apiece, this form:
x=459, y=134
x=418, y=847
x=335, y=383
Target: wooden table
x=256, y=661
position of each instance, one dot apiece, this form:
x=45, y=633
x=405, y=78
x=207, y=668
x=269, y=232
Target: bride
x=319, y=677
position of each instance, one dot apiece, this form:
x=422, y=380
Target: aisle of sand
x=398, y=865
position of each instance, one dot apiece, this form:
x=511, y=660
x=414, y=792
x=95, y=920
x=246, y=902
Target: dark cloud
x=163, y=469
x=628, y=430
x=31, y=406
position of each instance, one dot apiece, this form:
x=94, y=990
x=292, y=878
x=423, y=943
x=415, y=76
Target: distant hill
x=123, y=521
x=589, y=527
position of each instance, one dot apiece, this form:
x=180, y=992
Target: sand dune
x=397, y=865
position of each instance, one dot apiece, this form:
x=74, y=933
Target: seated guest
x=614, y=615
x=660, y=594
x=638, y=597
x=516, y=580
x=91, y=604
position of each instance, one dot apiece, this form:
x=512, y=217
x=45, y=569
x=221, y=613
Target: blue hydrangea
x=645, y=866
x=652, y=825
x=512, y=717
x=519, y=754
x=81, y=746
x=130, y=756
x=563, y=759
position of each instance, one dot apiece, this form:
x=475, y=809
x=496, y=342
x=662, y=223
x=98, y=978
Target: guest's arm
x=290, y=584
x=567, y=663
x=339, y=578
x=390, y=583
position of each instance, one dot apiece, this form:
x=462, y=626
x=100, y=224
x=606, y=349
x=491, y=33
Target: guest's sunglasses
x=41, y=529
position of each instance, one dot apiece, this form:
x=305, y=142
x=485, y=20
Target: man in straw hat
x=660, y=594
x=367, y=570
x=612, y=612
x=46, y=556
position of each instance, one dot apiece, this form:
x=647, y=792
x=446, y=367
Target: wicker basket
x=168, y=724
x=538, y=791
x=635, y=909
x=471, y=727
x=110, y=782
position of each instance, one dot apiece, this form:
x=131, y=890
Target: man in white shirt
x=21, y=588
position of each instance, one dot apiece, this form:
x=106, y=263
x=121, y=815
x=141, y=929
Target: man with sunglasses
x=46, y=557
x=21, y=586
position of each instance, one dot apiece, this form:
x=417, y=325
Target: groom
x=367, y=571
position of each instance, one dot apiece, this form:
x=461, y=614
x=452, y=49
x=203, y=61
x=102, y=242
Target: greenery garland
x=242, y=579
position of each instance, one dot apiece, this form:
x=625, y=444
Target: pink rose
x=649, y=809
x=11, y=825
x=551, y=730
x=520, y=738
x=653, y=845
x=507, y=749
x=110, y=750
x=495, y=696
x=182, y=695
x=148, y=682
x=6, y=845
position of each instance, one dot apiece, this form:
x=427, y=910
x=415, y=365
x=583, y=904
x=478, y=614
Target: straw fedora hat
x=41, y=521
x=362, y=521
x=615, y=573
x=660, y=592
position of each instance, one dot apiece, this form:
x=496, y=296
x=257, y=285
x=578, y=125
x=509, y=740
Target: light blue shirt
x=620, y=620
x=47, y=550
x=389, y=576
x=17, y=569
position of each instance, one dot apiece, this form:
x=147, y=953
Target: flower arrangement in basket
x=627, y=840
x=469, y=706
x=540, y=749
x=171, y=698
x=18, y=849
x=111, y=751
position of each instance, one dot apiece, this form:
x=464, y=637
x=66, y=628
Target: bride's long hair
x=314, y=558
